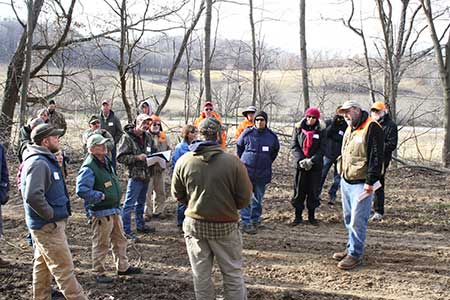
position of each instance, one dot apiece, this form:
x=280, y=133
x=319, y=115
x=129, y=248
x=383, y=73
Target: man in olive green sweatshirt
x=214, y=185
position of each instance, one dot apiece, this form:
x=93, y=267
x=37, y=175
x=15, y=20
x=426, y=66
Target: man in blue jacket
x=47, y=208
x=4, y=190
x=257, y=148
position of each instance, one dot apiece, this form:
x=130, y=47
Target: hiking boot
x=4, y=263
x=147, y=218
x=132, y=238
x=312, y=218
x=103, y=279
x=249, y=229
x=313, y=222
x=56, y=294
x=297, y=221
x=159, y=216
x=339, y=255
x=145, y=229
x=377, y=217
x=349, y=262
x=130, y=271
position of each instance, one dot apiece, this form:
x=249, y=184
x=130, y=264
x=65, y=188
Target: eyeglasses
x=156, y=124
x=193, y=131
x=311, y=117
x=259, y=119
x=208, y=109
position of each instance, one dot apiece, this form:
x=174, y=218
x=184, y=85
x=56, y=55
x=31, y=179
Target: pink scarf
x=307, y=143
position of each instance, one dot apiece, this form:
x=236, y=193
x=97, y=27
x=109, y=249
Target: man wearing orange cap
x=208, y=112
x=155, y=204
x=379, y=112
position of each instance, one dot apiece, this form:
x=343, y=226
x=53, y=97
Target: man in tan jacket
x=214, y=185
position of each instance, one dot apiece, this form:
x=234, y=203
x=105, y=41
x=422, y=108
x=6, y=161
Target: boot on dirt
x=312, y=217
x=298, y=219
x=339, y=255
x=249, y=229
x=349, y=262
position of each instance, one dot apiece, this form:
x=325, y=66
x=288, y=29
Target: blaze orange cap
x=378, y=106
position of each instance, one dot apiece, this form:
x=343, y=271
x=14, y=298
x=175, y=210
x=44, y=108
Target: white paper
x=365, y=194
x=164, y=154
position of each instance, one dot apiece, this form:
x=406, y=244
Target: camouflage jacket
x=129, y=147
x=57, y=120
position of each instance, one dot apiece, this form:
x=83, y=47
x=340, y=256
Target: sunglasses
x=193, y=131
x=208, y=109
x=259, y=119
x=156, y=124
x=311, y=117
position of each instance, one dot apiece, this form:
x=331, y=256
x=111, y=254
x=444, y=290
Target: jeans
x=227, y=252
x=181, y=208
x=134, y=199
x=252, y=213
x=327, y=163
x=356, y=217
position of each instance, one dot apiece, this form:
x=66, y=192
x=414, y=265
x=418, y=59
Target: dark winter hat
x=94, y=119
x=42, y=131
x=261, y=114
x=250, y=109
x=313, y=111
x=209, y=126
x=51, y=101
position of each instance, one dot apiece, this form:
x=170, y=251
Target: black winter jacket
x=390, y=136
x=334, y=133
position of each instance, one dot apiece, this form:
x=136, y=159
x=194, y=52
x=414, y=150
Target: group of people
x=219, y=194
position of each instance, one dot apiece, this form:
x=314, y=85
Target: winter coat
x=129, y=147
x=223, y=134
x=390, y=136
x=242, y=126
x=43, y=189
x=212, y=183
x=258, y=149
x=317, y=148
x=57, y=120
x=112, y=124
x=4, y=177
x=333, y=135
x=24, y=139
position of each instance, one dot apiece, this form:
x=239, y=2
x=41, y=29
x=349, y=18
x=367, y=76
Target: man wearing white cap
x=98, y=185
x=360, y=167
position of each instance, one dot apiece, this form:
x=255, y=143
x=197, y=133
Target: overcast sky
x=280, y=27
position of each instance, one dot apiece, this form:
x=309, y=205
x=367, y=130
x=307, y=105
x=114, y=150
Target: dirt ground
x=407, y=255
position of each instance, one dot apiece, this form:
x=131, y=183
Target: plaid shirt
x=208, y=230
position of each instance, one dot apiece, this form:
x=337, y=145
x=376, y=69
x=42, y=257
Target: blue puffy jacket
x=257, y=149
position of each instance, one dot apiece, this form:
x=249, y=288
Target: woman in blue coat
x=257, y=148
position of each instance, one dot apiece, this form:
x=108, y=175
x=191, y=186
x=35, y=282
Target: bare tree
x=443, y=62
x=303, y=54
x=207, y=55
x=254, y=58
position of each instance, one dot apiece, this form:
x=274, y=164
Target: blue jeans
x=327, y=163
x=252, y=213
x=134, y=199
x=356, y=217
x=181, y=208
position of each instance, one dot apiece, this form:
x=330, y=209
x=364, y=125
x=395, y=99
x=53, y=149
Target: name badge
x=358, y=139
x=110, y=124
x=108, y=184
x=316, y=136
x=341, y=132
x=149, y=149
x=265, y=148
x=56, y=175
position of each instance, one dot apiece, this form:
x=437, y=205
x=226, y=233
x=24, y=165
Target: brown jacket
x=214, y=184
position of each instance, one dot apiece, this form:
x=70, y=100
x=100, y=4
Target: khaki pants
x=156, y=203
x=108, y=232
x=52, y=257
x=228, y=254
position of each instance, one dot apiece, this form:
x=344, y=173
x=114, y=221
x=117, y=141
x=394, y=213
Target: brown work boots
x=346, y=262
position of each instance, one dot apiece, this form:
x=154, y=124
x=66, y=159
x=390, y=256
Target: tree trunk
x=121, y=66
x=207, y=58
x=254, y=64
x=303, y=55
x=177, y=61
x=13, y=80
x=444, y=76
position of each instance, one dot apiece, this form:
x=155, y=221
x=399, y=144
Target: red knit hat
x=313, y=111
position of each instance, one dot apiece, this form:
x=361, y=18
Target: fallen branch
x=420, y=167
